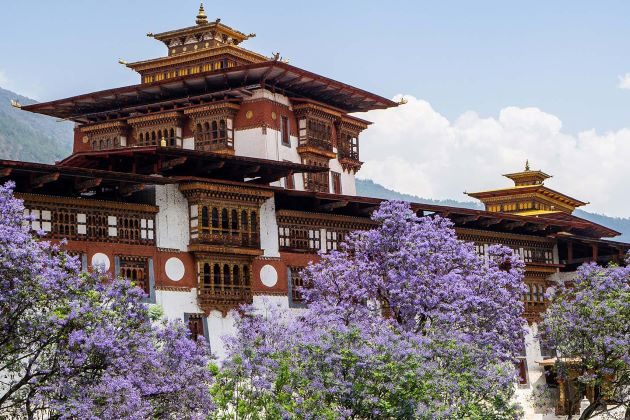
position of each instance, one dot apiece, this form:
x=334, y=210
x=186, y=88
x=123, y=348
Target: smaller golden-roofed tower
x=528, y=177
x=528, y=196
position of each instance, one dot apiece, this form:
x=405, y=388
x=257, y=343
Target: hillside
x=371, y=189
x=31, y=137
x=36, y=138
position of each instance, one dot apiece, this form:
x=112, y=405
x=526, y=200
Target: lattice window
x=158, y=136
x=299, y=237
x=537, y=255
x=349, y=146
x=105, y=142
x=146, y=229
x=112, y=230
x=284, y=235
x=284, y=131
x=40, y=219
x=136, y=269
x=84, y=223
x=224, y=284
x=333, y=239
x=235, y=226
x=535, y=293
x=297, y=283
x=214, y=134
x=195, y=326
x=64, y=223
x=318, y=134
x=336, y=182
x=316, y=181
x=81, y=223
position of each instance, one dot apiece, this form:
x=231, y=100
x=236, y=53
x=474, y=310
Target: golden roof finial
x=527, y=164
x=201, y=17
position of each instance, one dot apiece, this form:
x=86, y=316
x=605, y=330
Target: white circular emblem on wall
x=268, y=275
x=174, y=268
x=100, y=260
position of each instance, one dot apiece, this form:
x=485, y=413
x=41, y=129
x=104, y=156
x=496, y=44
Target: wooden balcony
x=310, y=141
x=227, y=238
x=213, y=142
x=223, y=298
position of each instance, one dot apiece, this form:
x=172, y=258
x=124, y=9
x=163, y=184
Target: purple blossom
x=404, y=321
x=79, y=345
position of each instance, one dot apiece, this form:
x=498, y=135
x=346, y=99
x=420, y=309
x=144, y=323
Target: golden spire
x=201, y=17
x=527, y=164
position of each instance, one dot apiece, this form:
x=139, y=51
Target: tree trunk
x=588, y=412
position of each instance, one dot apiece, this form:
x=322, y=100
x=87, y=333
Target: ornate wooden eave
x=197, y=56
x=295, y=82
x=309, y=108
x=112, y=126
x=234, y=193
x=350, y=165
x=218, y=108
x=156, y=118
x=312, y=150
x=72, y=181
x=527, y=191
x=324, y=219
x=205, y=27
x=202, y=249
x=87, y=203
x=151, y=160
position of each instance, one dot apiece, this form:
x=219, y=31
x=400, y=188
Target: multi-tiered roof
x=206, y=63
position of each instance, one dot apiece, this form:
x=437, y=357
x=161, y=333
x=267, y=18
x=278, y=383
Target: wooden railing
x=227, y=238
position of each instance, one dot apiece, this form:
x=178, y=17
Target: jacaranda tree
x=588, y=322
x=405, y=321
x=78, y=345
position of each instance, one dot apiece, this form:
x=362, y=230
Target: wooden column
x=561, y=407
x=594, y=247
x=569, y=252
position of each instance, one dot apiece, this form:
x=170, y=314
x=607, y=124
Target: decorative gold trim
x=102, y=126
x=268, y=293
x=316, y=151
x=218, y=249
x=355, y=122
x=308, y=107
x=497, y=235
x=155, y=117
x=193, y=111
x=323, y=219
x=174, y=288
x=230, y=192
x=156, y=63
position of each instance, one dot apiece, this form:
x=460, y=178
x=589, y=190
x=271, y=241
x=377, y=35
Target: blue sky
x=489, y=83
x=561, y=56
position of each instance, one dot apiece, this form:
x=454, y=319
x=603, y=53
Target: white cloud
x=413, y=149
x=624, y=81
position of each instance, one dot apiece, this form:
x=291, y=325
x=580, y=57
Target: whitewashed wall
x=269, y=229
x=348, y=184
x=172, y=218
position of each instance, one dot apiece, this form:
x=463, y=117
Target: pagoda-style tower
x=231, y=130
x=195, y=49
x=528, y=197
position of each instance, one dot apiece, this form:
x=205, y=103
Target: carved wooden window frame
x=208, y=224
